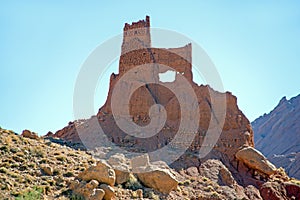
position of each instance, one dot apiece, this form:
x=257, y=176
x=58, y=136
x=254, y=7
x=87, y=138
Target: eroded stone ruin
x=136, y=51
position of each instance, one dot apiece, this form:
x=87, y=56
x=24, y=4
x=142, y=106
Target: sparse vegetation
x=4, y=148
x=185, y=182
x=209, y=189
x=204, y=179
x=61, y=158
x=35, y=193
x=76, y=197
x=214, y=194
x=295, y=181
x=133, y=183
x=151, y=195
x=3, y=170
x=21, y=164
x=69, y=174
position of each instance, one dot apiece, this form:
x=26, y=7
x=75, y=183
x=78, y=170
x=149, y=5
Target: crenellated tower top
x=137, y=50
x=139, y=24
x=136, y=35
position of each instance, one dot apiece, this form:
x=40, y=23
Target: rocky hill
x=37, y=167
x=277, y=135
x=47, y=168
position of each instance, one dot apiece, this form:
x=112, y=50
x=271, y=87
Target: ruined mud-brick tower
x=137, y=50
x=136, y=35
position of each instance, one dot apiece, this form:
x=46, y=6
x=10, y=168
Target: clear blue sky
x=255, y=46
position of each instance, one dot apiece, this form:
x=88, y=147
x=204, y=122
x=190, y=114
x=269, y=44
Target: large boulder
x=121, y=166
x=273, y=191
x=216, y=171
x=109, y=192
x=156, y=175
x=29, y=134
x=98, y=194
x=252, y=193
x=102, y=172
x=292, y=190
x=159, y=179
x=87, y=190
x=192, y=171
x=255, y=160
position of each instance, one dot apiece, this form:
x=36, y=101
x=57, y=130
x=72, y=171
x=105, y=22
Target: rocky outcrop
x=273, y=191
x=87, y=190
x=121, y=167
x=277, y=135
x=252, y=193
x=29, y=134
x=102, y=172
x=214, y=174
x=216, y=171
x=109, y=192
x=280, y=191
x=255, y=160
x=292, y=190
x=158, y=179
x=96, y=182
x=157, y=175
x=32, y=165
x=26, y=163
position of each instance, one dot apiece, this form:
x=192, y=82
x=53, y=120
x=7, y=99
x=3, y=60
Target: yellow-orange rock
x=255, y=160
x=29, y=134
x=102, y=172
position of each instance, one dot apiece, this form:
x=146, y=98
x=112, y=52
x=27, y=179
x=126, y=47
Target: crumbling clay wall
x=137, y=50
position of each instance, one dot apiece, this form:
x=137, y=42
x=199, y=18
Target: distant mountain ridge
x=277, y=135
